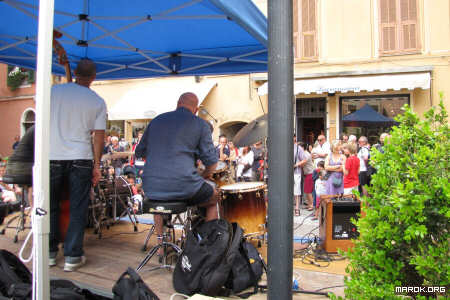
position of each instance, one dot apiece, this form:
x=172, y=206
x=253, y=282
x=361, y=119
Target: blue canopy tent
x=143, y=38
x=126, y=39
x=367, y=116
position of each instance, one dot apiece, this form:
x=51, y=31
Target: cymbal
x=253, y=132
x=116, y=155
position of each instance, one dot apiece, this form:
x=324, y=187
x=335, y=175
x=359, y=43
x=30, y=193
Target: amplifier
x=335, y=228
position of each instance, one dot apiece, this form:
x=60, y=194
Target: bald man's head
x=188, y=101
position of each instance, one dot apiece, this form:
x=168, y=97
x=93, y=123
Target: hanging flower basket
x=16, y=78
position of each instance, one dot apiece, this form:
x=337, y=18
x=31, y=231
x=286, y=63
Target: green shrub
x=404, y=236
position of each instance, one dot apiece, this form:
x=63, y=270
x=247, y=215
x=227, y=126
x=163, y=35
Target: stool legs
x=165, y=245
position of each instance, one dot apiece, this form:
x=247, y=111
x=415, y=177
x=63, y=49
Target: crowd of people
x=337, y=168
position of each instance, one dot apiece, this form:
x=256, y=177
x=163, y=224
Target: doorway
x=310, y=128
x=311, y=119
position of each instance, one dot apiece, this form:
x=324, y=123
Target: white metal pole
x=41, y=224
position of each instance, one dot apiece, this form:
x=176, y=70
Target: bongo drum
x=221, y=174
x=244, y=203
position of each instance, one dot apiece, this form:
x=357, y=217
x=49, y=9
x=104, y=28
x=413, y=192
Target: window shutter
x=408, y=19
x=388, y=17
x=296, y=38
x=309, y=28
x=398, y=26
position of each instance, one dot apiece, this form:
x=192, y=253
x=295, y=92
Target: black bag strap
x=252, y=274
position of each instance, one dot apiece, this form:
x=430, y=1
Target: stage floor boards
x=120, y=247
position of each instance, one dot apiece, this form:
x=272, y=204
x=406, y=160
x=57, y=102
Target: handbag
x=336, y=181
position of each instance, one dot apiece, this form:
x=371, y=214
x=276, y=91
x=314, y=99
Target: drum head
x=221, y=166
x=240, y=187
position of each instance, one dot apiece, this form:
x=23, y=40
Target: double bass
x=64, y=215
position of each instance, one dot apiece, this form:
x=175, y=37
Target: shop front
x=356, y=102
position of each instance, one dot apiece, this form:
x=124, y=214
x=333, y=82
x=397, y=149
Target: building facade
x=352, y=53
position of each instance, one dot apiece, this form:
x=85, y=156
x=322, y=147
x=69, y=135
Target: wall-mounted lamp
x=203, y=111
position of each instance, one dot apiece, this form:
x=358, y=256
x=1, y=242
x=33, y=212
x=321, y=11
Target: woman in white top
x=244, y=165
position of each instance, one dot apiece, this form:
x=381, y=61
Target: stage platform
x=120, y=247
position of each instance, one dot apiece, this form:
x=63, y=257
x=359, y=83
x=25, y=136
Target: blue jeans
x=78, y=175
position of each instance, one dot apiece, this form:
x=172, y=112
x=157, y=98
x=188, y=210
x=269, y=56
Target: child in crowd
x=315, y=176
x=351, y=169
x=321, y=189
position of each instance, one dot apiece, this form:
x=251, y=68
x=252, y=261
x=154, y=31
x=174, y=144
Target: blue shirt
x=171, y=144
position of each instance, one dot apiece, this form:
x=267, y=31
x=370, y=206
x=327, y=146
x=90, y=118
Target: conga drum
x=243, y=203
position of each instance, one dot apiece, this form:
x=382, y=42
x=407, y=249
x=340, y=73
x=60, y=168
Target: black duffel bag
x=130, y=286
x=12, y=271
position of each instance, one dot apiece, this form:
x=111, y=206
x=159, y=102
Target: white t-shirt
x=75, y=111
x=242, y=161
x=363, y=152
x=321, y=187
x=324, y=149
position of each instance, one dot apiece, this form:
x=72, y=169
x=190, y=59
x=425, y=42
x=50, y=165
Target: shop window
x=359, y=120
x=399, y=26
x=305, y=29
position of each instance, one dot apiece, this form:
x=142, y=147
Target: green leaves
x=404, y=236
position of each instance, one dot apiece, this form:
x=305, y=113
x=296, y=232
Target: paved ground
x=120, y=247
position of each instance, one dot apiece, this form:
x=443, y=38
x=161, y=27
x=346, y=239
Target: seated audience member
x=351, y=169
x=234, y=154
x=244, y=165
x=117, y=163
x=258, y=161
x=223, y=150
x=171, y=144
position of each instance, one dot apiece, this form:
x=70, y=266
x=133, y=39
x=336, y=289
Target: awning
x=156, y=97
x=357, y=84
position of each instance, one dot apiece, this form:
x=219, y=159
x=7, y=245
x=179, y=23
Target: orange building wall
x=12, y=106
x=10, y=117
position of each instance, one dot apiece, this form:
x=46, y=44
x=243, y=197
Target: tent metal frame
x=128, y=47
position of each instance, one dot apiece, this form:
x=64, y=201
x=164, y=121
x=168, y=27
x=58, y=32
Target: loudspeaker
x=335, y=227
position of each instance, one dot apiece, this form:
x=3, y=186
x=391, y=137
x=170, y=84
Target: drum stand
x=126, y=205
x=98, y=208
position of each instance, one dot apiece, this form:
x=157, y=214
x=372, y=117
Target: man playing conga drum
x=171, y=144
